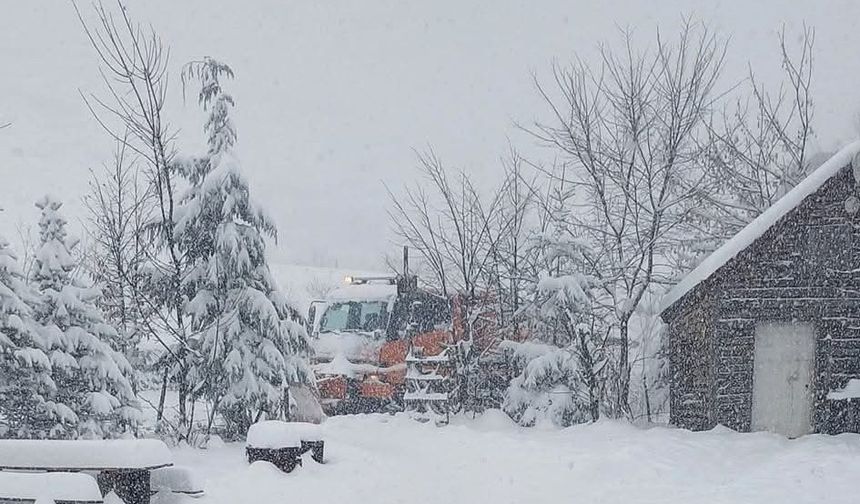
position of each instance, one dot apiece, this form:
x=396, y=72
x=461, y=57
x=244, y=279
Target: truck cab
x=361, y=334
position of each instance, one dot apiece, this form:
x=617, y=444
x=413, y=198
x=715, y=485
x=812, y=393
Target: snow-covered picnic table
x=123, y=465
x=78, y=488
x=282, y=443
x=84, y=455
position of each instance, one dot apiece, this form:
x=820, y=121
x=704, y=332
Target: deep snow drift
x=388, y=459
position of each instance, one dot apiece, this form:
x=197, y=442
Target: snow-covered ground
x=392, y=459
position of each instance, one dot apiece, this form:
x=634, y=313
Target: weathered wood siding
x=806, y=268
x=691, y=355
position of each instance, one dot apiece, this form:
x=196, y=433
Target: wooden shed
x=765, y=333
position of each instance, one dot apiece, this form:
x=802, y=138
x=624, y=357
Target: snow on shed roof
x=760, y=224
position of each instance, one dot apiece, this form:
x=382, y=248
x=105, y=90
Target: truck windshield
x=360, y=316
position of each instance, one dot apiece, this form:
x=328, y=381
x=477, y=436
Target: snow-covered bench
x=123, y=466
x=176, y=479
x=283, y=443
x=72, y=488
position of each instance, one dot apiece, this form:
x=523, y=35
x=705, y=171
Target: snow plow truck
x=361, y=334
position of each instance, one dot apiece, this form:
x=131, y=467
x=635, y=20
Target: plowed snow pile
x=488, y=460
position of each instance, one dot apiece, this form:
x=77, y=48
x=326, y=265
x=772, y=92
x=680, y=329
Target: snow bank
x=307, y=431
x=49, y=486
x=489, y=420
x=176, y=479
x=278, y=434
x=84, y=454
x=849, y=391
x=761, y=224
x=383, y=458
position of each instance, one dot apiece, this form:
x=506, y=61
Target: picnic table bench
x=283, y=443
x=62, y=488
x=122, y=466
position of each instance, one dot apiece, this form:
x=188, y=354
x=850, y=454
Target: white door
x=782, y=378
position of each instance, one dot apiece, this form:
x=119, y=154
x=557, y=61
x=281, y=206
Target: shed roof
x=761, y=224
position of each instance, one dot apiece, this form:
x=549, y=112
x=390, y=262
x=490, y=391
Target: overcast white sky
x=332, y=96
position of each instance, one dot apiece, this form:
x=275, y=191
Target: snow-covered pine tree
x=548, y=389
x=251, y=342
x=93, y=395
x=25, y=369
x=560, y=371
x=560, y=384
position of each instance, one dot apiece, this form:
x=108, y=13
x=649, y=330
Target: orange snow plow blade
x=332, y=387
x=433, y=342
x=385, y=380
x=376, y=389
x=393, y=352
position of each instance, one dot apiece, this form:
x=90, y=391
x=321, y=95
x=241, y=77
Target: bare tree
x=512, y=265
x=562, y=309
x=452, y=227
x=631, y=131
x=134, y=64
x=760, y=146
x=29, y=245
x=120, y=208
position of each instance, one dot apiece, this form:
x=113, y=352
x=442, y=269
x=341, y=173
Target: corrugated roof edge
x=760, y=224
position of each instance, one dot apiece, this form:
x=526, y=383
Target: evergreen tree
x=251, y=343
x=93, y=393
x=561, y=375
x=25, y=369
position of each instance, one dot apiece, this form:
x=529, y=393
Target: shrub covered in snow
x=561, y=377
x=548, y=388
x=25, y=369
x=561, y=385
